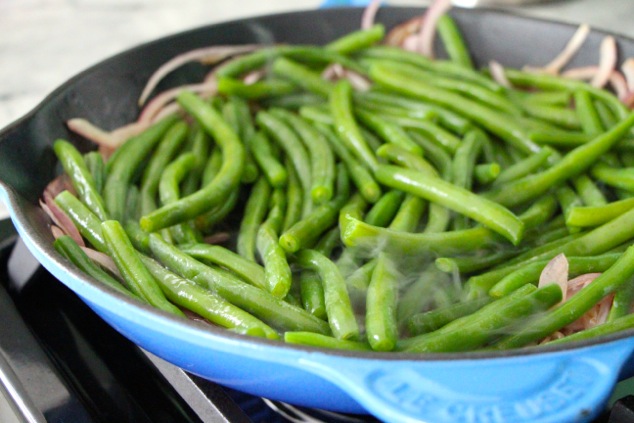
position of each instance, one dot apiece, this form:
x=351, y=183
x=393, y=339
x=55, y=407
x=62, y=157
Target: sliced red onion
x=254, y=76
x=102, y=260
x=556, y=272
x=207, y=55
x=619, y=85
x=109, y=139
x=57, y=232
x=498, y=74
x=57, y=185
x=575, y=285
x=627, y=68
x=397, y=35
x=217, y=238
x=369, y=14
x=428, y=27
x=154, y=107
x=333, y=72
x=571, y=48
x=607, y=62
x=61, y=219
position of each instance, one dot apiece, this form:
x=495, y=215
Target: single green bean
x=301, y=76
x=254, y=213
x=84, y=219
x=383, y=211
x=263, y=154
x=97, y=168
x=346, y=127
x=357, y=40
x=622, y=178
x=487, y=173
x=254, y=91
x=75, y=167
x=598, y=215
x=218, y=189
x=389, y=131
x=380, y=317
x=137, y=276
x=324, y=341
x=359, y=175
x=490, y=214
x=341, y=317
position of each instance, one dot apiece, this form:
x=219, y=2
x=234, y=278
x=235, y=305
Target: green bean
x=465, y=202
x=617, y=325
x=254, y=212
x=122, y=166
x=97, y=168
x=304, y=232
x=346, y=127
x=399, y=56
x=164, y=153
x=301, y=76
x=588, y=116
x=574, y=307
x=453, y=42
x=206, y=221
x=435, y=319
x=324, y=341
x=486, y=323
x=598, y=215
x=272, y=310
x=530, y=272
x=567, y=199
x=539, y=212
x=271, y=167
x=622, y=302
x=341, y=317
x=465, y=159
x=380, y=318
x=356, y=233
x=172, y=175
x=448, y=141
x=322, y=160
x=418, y=295
x=246, y=129
x=359, y=175
x=212, y=167
x=357, y=40
x=383, y=211
x=572, y=164
x=409, y=214
x=408, y=107
x=550, y=82
x=390, y=132
x=67, y=247
x=294, y=198
x=486, y=173
x=277, y=272
x=286, y=139
x=524, y=167
x=80, y=176
x=220, y=256
x=588, y=191
x=494, y=121
x=137, y=277
x=560, y=116
x=84, y=219
x=217, y=190
x=199, y=145
x=622, y=178
x=256, y=90
x=473, y=263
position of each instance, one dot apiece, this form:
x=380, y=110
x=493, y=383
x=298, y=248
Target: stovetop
x=59, y=362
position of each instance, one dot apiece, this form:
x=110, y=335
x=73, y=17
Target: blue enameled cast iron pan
x=560, y=384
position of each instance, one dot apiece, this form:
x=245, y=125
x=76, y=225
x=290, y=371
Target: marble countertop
x=45, y=42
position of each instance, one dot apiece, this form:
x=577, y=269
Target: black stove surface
x=62, y=363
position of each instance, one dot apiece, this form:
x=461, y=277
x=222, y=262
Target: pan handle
x=565, y=386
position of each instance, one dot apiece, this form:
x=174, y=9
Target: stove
x=59, y=362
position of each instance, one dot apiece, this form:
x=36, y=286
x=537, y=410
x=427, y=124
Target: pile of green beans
x=414, y=214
